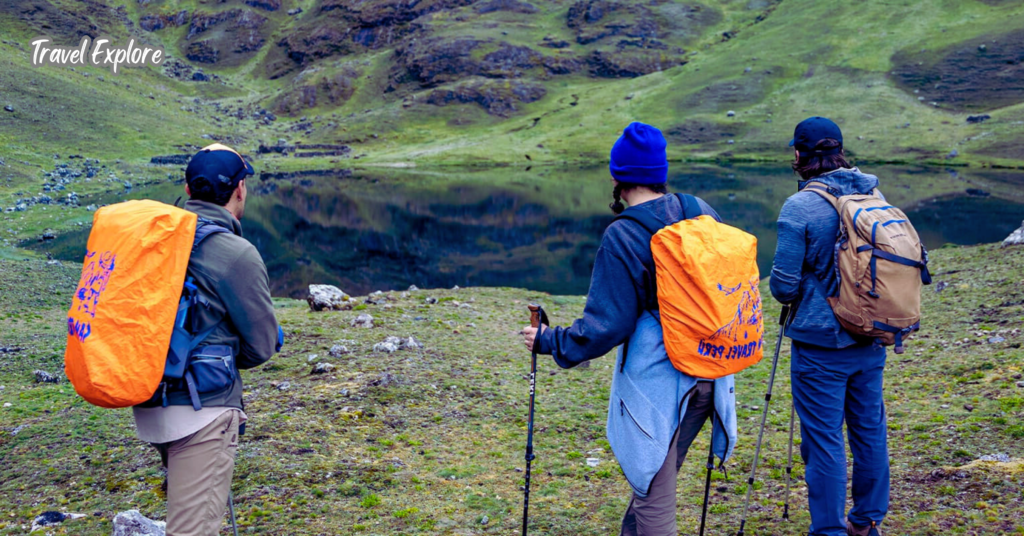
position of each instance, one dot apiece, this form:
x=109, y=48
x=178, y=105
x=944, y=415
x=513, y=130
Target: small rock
x=312, y=358
x=284, y=386
x=413, y=288
x=363, y=321
x=1020, y=385
x=327, y=297
x=485, y=520
x=295, y=11
x=998, y=457
x=944, y=406
x=7, y=404
x=968, y=407
x=430, y=300
x=730, y=113
x=9, y=108
x=338, y=350
x=45, y=377
x=978, y=118
x=748, y=69
x=385, y=347
x=456, y=287
x=411, y=343
x=982, y=47
x=593, y=462
x=953, y=154
x=518, y=469
x=322, y=368
x=53, y=262
x=344, y=392
x=940, y=286
x=133, y=523
x=996, y=340
x=730, y=142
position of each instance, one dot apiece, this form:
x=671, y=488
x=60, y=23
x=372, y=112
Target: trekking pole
x=789, y=466
x=710, y=465
x=537, y=318
x=231, y=510
x=764, y=417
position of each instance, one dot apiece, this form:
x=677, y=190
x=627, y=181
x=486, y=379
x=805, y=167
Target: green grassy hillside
x=430, y=441
x=512, y=81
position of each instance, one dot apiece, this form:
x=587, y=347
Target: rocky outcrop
x=498, y=98
x=630, y=65
x=269, y=5
x=239, y=32
x=152, y=23
x=1016, y=238
x=433, y=62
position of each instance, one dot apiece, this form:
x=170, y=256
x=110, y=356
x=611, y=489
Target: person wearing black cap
x=835, y=376
x=655, y=411
x=198, y=445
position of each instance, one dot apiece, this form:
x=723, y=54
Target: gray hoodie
x=804, y=271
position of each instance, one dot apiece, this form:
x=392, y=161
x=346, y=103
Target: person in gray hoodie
x=196, y=433
x=836, y=377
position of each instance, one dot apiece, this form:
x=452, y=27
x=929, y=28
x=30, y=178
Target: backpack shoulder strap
x=691, y=208
x=824, y=191
x=205, y=228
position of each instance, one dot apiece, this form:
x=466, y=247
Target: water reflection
x=538, y=228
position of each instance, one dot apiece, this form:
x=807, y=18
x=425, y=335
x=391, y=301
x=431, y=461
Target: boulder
x=51, y=518
x=338, y=350
x=386, y=347
x=327, y=298
x=1016, y=238
x=133, y=523
x=362, y=321
x=411, y=344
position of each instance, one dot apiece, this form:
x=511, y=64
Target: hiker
x=198, y=446
x=655, y=411
x=836, y=375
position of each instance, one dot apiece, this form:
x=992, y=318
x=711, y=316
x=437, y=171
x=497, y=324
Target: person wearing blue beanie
x=623, y=293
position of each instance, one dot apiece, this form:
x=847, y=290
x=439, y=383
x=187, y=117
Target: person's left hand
x=530, y=334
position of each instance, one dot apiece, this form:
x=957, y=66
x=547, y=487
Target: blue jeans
x=830, y=386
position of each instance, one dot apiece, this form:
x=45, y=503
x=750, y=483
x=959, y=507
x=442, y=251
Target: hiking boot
x=865, y=530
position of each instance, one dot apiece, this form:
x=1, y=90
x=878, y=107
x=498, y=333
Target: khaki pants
x=655, y=514
x=199, y=469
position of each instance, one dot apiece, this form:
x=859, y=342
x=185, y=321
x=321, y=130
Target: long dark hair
x=811, y=164
x=617, y=206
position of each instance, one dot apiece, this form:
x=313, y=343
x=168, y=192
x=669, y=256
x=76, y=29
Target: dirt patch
x=1005, y=149
x=980, y=74
x=720, y=97
x=700, y=132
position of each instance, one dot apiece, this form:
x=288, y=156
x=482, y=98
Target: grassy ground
x=431, y=441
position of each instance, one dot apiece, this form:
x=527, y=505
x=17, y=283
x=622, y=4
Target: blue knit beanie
x=638, y=156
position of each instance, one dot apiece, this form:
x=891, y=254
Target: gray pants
x=655, y=515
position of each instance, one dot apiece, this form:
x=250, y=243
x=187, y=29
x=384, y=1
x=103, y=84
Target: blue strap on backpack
x=184, y=338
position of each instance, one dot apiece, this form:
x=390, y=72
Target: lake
x=535, y=228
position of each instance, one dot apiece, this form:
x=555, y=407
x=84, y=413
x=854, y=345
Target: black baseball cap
x=220, y=165
x=812, y=130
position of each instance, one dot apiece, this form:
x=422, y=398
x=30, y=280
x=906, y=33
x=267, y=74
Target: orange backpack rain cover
x=120, y=322
x=708, y=296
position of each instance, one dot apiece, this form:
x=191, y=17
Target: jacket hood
x=215, y=213
x=846, y=181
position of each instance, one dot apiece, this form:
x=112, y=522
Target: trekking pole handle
x=534, y=315
x=786, y=310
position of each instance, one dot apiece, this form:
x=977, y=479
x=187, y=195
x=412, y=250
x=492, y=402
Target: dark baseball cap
x=220, y=165
x=812, y=130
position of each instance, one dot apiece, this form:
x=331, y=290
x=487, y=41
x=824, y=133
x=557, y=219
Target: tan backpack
x=881, y=264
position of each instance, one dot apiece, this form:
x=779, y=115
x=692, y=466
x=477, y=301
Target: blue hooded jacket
x=649, y=397
x=804, y=271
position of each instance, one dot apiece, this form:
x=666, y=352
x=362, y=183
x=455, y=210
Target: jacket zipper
x=623, y=410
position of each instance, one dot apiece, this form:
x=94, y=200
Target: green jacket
x=230, y=274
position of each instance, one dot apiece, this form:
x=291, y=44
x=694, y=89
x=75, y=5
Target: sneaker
x=865, y=530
